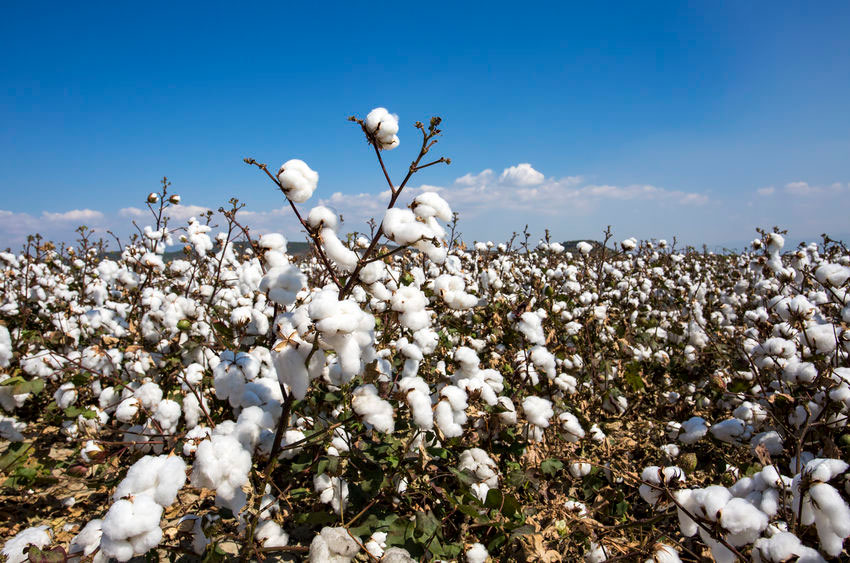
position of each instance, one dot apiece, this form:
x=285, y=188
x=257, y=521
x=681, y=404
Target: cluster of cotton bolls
x=433, y=356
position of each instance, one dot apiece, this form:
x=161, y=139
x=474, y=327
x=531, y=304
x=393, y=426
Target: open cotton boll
x=664, y=554
x=297, y=180
x=507, y=411
x=5, y=347
x=131, y=527
x=692, y=430
x=332, y=490
x=283, y=283
x=451, y=289
x=373, y=409
x=149, y=395
x=272, y=241
x=477, y=553
x=158, y=477
x=127, y=409
x=222, y=463
x=783, y=546
x=376, y=544
x=11, y=428
x=571, y=425
x=384, y=126
x=476, y=461
x=744, y=521
x=13, y=550
x=321, y=217
x=167, y=413
x=87, y=540
x=345, y=258
x=580, y=469
x=430, y=204
x=418, y=397
x=538, y=411
x=271, y=534
x=596, y=553
x=531, y=328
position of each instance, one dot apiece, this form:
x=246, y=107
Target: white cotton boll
x=476, y=554
x=66, y=395
x=332, y=490
x=167, y=413
x=743, y=520
x=580, y=469
x=157, y=477
x=283, y=283
x=271, y=534
x=5, y=347
x=689, y=501
x=596, y=433
x=444, y=417
x=376, y=544
x=531, y=328
x=417, y=395
x=719, y=552
x=538, y=411
x=832, y=274
x=273, y=241
x=87, y=540
x=297, y=180
x=476, y=461
x=692, y=430
x=670, y=450
x=571, y=425
x=451, y=289
x=400, y=226
x=825, y=469
x=341, y=255
x=781, y=547
x=832, y=517
x=373, y=409
x=596, y=553
x=131, y=528
x=544, y=361
x=13, y=550
x=372, y=272
x=584, y=247
x=507, y=412
x=223, y=464
x=384, y=126
x=127, y=409
x=430, y=204
x=728, y=430
x=321, y=217
x=290, y=437
x=664, y=554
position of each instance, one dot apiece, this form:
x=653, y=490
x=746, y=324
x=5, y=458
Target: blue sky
x=701, y=120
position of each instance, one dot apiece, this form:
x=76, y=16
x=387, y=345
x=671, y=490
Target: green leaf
x=55, y=555
x=506, y=504
x=551, y=466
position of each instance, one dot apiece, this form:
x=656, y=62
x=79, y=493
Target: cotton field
x=399, y=395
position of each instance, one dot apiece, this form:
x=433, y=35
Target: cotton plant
x=239, y=363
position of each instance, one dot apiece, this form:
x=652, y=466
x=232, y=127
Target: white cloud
x=175, y=212
x=804, y=188
x=770, y=190
x=521, y=175
x=484, y=177
x=78, y=215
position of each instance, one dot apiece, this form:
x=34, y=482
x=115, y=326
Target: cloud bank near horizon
x=492, y=206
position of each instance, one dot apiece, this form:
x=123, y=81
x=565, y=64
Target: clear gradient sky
x=699, y=119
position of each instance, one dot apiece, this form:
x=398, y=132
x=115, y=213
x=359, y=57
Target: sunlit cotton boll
x=13, y=550
x=538, y=411
x=131, y=527
x=373, y=409
x=297, y=180
x=158, y=477
x=384, y=126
